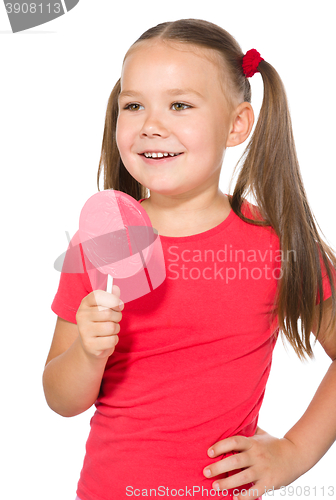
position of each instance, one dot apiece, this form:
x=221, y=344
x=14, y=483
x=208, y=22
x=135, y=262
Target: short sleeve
x=326, y=282
x=73, y=286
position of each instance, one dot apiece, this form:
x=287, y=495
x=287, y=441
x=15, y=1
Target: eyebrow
x=174, y=92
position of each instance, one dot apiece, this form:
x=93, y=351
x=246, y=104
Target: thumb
x=116, y=290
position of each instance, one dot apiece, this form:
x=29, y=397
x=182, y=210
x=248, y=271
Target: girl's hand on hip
x=267, y=463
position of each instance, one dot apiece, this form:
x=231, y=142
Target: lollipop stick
x=109, y=283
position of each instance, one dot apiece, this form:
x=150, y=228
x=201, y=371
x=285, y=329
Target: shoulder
x=253, y=212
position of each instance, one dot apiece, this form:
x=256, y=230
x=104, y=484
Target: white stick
x=109, y=283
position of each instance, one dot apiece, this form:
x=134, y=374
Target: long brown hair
x=269, y=170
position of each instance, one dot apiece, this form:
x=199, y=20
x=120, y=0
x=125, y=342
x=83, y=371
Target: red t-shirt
x=191, y=365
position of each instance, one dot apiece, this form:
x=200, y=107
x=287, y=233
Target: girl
x=178, y=392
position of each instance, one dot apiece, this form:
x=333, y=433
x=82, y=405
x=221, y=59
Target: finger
x=233, y=443
x=105, y=329
x=103, y=299
x=104, y=344
x=240, y=481
x=97, y=315
x=106, y=300
x=116, y=290
x=234, y=462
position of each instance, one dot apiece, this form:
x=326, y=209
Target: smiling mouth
x=170, y=156
x=156, y=157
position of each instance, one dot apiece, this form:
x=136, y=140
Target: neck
x=172, y=216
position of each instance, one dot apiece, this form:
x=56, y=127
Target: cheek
x=119, y=135
x=191, y=136
x=123, y=136
x=199, y=135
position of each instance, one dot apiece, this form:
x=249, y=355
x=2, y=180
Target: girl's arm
x=79, y=353
x=315, y=432
x=268, y=462
x=71, y=379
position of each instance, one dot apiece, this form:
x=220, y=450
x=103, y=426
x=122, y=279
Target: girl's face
x=171, y=101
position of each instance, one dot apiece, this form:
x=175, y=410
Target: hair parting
x=268, y=170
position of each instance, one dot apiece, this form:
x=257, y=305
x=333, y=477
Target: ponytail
x=270, y=172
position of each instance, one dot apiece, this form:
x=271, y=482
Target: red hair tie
x=251, y=62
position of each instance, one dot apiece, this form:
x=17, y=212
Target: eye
x=182, y=104
x=128, y=106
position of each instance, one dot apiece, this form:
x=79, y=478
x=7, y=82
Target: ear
x=241, y=125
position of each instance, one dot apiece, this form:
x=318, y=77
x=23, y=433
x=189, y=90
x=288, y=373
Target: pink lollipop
x=119, y=241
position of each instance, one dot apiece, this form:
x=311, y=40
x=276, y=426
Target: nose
x=153, y=126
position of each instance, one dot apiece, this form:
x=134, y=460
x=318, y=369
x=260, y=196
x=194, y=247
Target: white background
x=55, y=83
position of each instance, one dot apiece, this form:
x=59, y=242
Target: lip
x=164, y=159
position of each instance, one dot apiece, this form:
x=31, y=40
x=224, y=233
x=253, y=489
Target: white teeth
x=159, y=155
